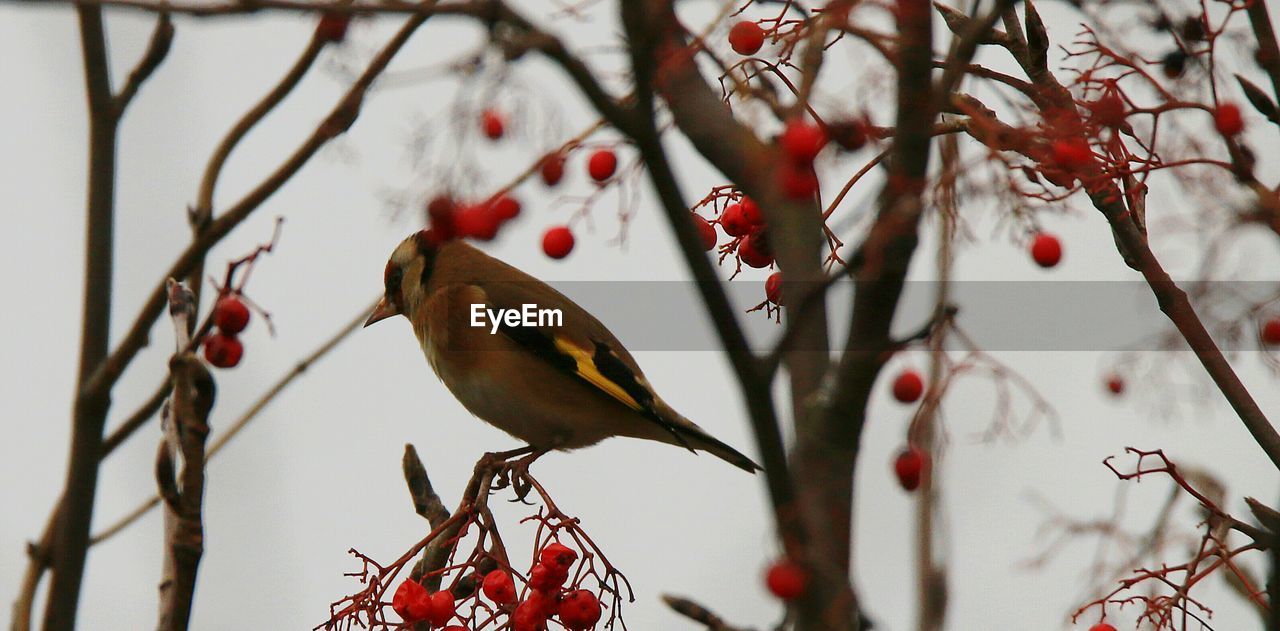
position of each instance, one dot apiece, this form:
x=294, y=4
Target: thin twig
x=157, y=50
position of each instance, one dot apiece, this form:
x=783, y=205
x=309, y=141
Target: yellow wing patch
x=587, y=369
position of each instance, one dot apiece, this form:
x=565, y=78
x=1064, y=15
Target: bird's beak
x=382, y=311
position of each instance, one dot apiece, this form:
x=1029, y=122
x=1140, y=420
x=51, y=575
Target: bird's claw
x=513, y=473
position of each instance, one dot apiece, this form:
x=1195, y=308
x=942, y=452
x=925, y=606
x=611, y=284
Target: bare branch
x=425, y=500
x=187, y=428
x=697, y=613
x=339, y=118
x=70, y=540
x=136, y=420
x=248, y=416
x=203, y=211
x=157, y=50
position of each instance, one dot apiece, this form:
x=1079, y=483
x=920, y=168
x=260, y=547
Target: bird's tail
x=726, y=453
x=678, y=430
x=702, y=441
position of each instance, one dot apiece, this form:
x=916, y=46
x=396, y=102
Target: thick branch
x=75, y=509
x=425, y=500
x=186, y=430
x=649, y=32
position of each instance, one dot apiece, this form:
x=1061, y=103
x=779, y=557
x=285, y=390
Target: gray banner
x=1008, y=316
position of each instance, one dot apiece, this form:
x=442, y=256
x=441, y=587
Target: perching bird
x=554, y=387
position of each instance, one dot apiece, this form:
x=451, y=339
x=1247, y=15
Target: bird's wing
x=582, y=347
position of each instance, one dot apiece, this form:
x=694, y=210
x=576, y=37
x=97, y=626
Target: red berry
x=1115, y=385
x=1173, y=64
x=231, y=315
x=531, y=613
x=1271, y=331
x=222, y=350
x=706, y=232
x=908, y=386
x=851, y=135
x=542, y=601
x=440, y=211
x=440, y=608
x=505, y=207
x=493, y=123
x=1058, y=176
x=797, y=181
x=333, y=26
x=1102, y=626
x=746, y=37
x=1046, y=250
x=734, y=221
x=786, y=579
x=1072, y=154
x=552, y=169
x=1194, y=29
x=755, y=251
x=499, y=587
x=909, y=467
x=579, y=610
x=557, y=555
x=410, y=601
x=455, y=627
x=1108, y=111
x=557, y=242
x=751, y=211
x=773, y=288
x=602, y=164
x=478, y=222
x=802, y=141
x=1228, y=120
x=547, y=577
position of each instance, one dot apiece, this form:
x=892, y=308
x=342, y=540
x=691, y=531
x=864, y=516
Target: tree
x=1090, y=119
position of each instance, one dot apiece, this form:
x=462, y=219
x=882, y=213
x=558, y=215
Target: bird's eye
x=391, y=278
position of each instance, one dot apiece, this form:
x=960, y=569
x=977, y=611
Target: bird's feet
x=512, y=469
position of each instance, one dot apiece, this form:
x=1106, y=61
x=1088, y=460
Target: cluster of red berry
x=546, y=598
x=451, y=219
x=223, y=348
x=482, y=221
x=745, y=221
x=413, y=603
x=912, y=462
x=801, y=142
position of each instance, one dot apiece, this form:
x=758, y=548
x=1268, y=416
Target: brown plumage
x=553, y=386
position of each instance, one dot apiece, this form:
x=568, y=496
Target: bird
x=555, y=385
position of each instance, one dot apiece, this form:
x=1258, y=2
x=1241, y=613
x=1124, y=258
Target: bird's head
x=405, y=278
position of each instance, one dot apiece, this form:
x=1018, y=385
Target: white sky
x=319, y=471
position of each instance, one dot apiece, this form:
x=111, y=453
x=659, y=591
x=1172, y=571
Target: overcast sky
x=319, y=471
